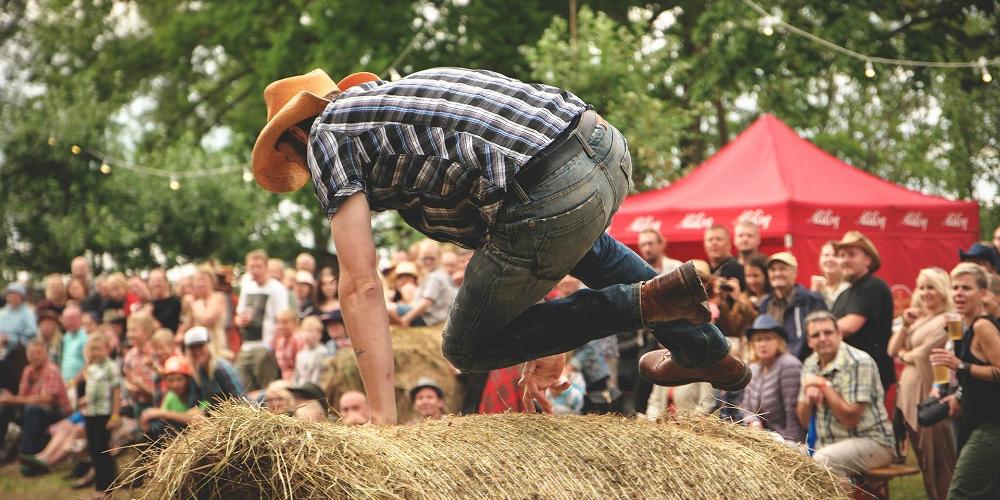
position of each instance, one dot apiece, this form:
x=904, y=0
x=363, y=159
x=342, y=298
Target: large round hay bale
x=244, y=452
x=418, y=354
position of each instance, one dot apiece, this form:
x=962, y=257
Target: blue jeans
x=35, y=421
x=544, y=232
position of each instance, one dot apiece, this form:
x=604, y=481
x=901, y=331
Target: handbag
x=931, y=411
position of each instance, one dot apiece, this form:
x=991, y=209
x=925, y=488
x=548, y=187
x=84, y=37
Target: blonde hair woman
x=978, y=371
x=770, y=398
x=217, y=379
x=923, y=329
x=831, y=283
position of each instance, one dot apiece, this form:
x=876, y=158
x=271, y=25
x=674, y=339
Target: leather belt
x=570, y=143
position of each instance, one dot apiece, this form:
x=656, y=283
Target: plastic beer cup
x=954, y=325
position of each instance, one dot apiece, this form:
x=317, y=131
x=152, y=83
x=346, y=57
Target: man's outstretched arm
x=363, y=304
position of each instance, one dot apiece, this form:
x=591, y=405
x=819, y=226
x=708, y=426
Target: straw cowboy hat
x=858, y=240
x=290, y=101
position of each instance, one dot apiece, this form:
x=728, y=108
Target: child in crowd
x=310, y=360
x=180, y=405
x=136, y=370
x=162, y=347
x=334, y=332
x=101, y=412
x=285, y=344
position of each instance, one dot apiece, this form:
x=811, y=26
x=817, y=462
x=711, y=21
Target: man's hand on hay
x=539, y=376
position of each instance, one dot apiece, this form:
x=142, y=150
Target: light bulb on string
x=105, y=168
x=174, y=184
x=247, y=175
x=987, y=77
x=767, y=25
x=869, y=69
x=74, y=149
x=52, y=141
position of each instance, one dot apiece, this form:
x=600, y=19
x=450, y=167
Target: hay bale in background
x=418, y=354
x=243, y=452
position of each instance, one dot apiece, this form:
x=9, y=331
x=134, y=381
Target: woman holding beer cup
x=923, y=329
x=977, y=366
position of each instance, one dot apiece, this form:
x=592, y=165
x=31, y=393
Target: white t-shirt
x=263, y=303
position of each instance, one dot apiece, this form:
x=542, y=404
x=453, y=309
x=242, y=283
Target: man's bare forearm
x=368, y=326
x=363, y=305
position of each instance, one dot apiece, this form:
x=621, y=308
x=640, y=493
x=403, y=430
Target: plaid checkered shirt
x=44, y=381
x=854, y=375
x=440, y=146
x=102, y=378
x=137, y=364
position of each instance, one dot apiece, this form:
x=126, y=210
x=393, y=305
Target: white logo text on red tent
x=915, y=219
x=956, y=220
x=871, y=218
x=756, y=216
x=640, y=224
x=825, y=217
x=696, y=221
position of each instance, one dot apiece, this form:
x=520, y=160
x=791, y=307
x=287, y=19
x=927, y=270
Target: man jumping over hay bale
x=526, y=174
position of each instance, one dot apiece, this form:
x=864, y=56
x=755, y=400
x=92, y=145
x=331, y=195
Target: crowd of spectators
x=825, y=359
x=93, y=363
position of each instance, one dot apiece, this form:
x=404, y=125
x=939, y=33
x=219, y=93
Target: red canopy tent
x=801, y=197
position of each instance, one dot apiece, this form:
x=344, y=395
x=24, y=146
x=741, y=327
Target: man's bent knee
x=460, y=356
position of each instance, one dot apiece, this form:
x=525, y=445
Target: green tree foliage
x=193, y=69
x=176, y=86
x=703, y=70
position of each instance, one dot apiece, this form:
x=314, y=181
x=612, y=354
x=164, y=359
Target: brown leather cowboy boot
x=728, y=374
x=673, y=295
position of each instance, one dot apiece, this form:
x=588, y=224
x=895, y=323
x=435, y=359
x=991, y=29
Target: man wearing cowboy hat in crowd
x=428, y=400
x=983, y=255
x=529, y=176
x=864, y=311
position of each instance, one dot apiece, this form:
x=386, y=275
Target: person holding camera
x=977, y=368
x=923, y=329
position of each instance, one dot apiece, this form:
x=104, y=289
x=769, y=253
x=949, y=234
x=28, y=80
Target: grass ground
x=910, y=487
x=51, y=486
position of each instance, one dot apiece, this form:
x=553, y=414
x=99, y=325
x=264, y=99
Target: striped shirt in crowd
x=854, y=375
x=439, y=146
